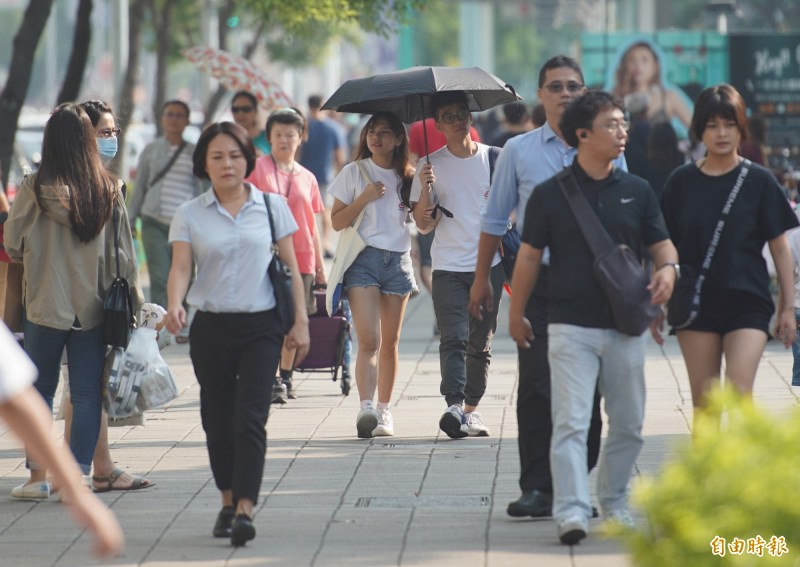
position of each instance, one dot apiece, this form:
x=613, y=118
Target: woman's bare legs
x=392, y=308
x=702, y=353
x=366, y=308
x=102, y=464
x=743, y=350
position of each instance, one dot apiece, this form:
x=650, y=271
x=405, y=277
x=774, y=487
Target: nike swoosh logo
x=626, y=201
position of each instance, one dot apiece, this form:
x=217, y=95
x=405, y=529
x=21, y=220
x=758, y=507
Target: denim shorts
x=392, y=272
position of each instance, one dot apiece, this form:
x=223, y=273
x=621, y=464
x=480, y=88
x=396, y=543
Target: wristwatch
x=677, y=268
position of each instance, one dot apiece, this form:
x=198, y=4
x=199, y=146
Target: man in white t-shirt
x=453, y=202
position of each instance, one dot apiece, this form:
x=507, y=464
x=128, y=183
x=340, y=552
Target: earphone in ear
x=584, y=134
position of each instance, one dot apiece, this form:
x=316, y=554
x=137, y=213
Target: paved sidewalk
x=417, y=499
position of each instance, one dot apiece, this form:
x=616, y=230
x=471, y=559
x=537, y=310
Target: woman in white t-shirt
x=380, y=281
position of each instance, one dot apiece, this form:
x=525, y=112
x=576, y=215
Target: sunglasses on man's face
x=557, y=86
x=240, y=109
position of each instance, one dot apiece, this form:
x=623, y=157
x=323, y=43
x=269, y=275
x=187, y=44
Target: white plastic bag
x=138, y=377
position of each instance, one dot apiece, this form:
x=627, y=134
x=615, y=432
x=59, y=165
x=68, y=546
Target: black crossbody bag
x=616, y=266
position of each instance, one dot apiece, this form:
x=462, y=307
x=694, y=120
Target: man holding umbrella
x=462, y=178
x=526, y=161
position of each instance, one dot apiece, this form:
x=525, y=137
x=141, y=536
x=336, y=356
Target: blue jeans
x=796, y=353
x=579, y=357
x=86, y=353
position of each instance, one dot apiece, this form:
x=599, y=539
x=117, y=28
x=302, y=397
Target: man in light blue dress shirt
x=526, y=161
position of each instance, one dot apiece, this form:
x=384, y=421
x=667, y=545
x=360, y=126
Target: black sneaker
x=242, y=530
x=279, y=394
x=290, y=393
x=224, y=520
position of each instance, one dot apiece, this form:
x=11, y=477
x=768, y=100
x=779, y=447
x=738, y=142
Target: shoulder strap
x=271, y=222
x=365, y=173
x=116, y=235
x=593, y=231
x=166, y=169
x=494, y=153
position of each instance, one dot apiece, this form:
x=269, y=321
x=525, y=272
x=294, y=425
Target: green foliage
x=436, y=34
x=519, y=48
x=738, y=481
x=379, y=16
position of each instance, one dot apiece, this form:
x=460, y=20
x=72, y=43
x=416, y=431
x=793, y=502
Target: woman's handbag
x=348, y=248
x=616, y=267
x=281, y=277
x=684, y=305
x=118, y=307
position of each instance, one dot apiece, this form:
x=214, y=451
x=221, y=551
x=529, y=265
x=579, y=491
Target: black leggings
x=235, y=356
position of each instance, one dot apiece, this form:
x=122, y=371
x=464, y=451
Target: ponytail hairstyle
x=70, y=157
x=399, y=157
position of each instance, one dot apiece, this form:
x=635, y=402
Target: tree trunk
x=136, y=13
x=19, y=76
x=162, y=24
x=219, y=94
x=71, y=87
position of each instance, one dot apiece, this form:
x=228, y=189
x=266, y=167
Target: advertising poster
x=765, y=69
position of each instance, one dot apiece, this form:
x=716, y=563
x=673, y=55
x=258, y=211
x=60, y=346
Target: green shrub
x=738, y=481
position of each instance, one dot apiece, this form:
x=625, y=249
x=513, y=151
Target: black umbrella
x=407, y=93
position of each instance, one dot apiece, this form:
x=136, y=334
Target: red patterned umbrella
x=238, y=74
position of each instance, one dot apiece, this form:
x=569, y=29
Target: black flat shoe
x=533, y=503
x=242, y=530
x=224, y=519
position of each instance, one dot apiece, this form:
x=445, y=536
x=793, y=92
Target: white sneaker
x=385, y=424
x=366, y=422
x=33, y=491
x=621, y=517
x=452, y=422
x=572, y=529
x=475, y=425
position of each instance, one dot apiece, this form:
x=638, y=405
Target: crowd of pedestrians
x=209, y=213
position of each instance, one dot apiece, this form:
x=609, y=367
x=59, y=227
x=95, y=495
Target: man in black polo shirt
x=584, y=345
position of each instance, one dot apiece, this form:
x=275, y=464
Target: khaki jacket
x=65, y=278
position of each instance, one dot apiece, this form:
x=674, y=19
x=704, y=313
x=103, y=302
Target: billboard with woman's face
x=638, y=76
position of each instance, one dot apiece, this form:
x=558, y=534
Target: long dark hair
x=399, y=157
x=70, y=157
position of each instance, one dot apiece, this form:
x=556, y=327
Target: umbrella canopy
x=407, y=93
x=238, y=74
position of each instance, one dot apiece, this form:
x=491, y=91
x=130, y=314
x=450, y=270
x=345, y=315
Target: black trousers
x=235, y=356
x=534, y=416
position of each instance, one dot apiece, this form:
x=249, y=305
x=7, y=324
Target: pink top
x=304, y=201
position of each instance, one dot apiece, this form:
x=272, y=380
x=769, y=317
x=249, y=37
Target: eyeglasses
x=557, y=86
x=109, y=132
x=614, y=126
x=450, y=117
x=244, y=109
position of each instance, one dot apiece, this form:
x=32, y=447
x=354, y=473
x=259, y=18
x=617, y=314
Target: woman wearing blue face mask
x=61, y=229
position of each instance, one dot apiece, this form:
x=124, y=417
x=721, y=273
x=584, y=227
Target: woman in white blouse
x=380, y=281
x=235, y=338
